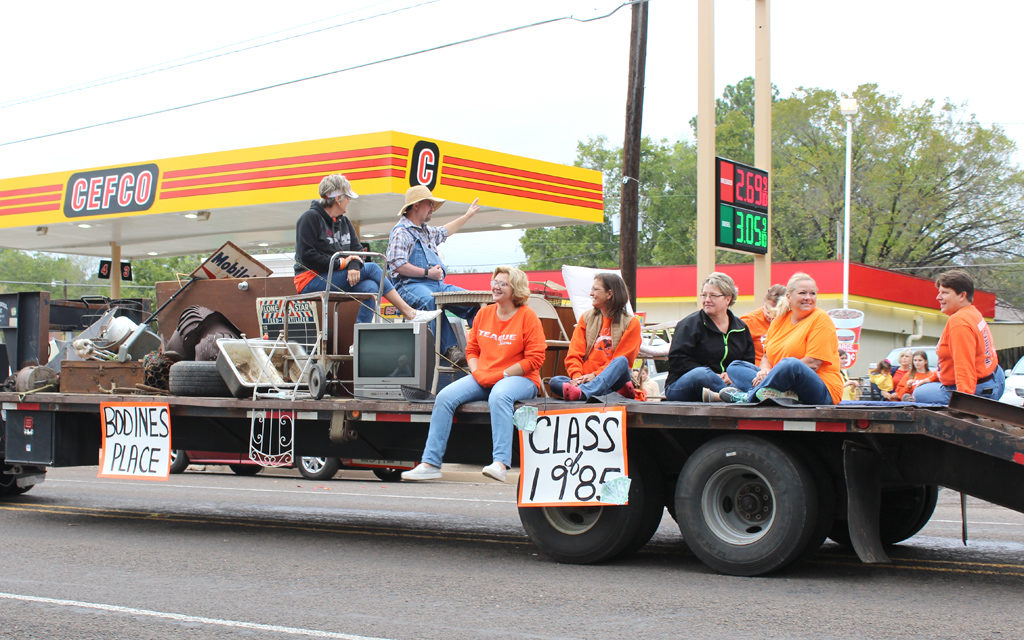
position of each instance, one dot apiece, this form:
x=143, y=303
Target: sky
x=555, y=73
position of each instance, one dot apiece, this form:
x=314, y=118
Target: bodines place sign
x=117, y=190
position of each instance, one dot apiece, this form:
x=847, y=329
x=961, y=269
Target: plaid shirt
x=402, y=241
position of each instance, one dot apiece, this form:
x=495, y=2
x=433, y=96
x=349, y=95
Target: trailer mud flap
x=861, y=467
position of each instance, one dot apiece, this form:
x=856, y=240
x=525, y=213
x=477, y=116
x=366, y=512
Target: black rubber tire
x=317, y=468
x=388, y=475
x=9, y=486
x=585, y=535
x=245, y=469
x=641, y=463
x=826, y=487
x=197, y=378
x=179, y=461
x=745, y=505
x=904, y=512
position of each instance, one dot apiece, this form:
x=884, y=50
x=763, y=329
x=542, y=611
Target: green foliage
x=23, y=271
x=931, y=189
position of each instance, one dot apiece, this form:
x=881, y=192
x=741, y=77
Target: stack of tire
x=194, y=343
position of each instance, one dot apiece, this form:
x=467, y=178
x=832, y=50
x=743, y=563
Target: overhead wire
x=325, y=74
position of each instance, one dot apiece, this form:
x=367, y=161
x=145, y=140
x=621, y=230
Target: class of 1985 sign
x=575, y=457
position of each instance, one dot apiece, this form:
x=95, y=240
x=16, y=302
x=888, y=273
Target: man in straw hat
x=324, y=230
x=414, y=261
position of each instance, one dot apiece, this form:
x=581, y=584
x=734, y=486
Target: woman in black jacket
x=709, y=346
x=324, y=230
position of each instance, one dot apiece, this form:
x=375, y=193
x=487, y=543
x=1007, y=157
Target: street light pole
x=848, y=107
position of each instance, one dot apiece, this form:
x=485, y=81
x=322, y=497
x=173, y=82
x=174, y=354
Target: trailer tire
x=245, y=469
x=318, y=468
x=746, y=506
x=585, y=534
x=9, y=486
x=388, y=475
x=197, y=378
x=904, y=512
x=179, y=461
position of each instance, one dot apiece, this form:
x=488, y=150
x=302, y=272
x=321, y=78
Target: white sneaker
x=425, y=316
x=496, y=471
x=423, y=471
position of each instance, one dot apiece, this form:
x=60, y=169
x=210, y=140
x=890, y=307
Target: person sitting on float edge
x=760, y=319
x=322, y=231
x=505, y=353
x=414, y=261
x=801, y=353
x=967, y=355
x=606, y=340
x=711, y=347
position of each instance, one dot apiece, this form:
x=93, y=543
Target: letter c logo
x=424, y=164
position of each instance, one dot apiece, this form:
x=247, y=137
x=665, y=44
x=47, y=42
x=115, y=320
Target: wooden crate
x=91, y=376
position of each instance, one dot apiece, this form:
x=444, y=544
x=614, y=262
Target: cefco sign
x=117, y=190
x=424, y=164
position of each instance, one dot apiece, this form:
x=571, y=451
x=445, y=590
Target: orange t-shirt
x=813, y=337
x=758, y=326
x=966, y=351
x=904, y=385
x=498, y=344
x=578, y=362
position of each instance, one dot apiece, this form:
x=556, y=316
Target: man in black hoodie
x=324, y=230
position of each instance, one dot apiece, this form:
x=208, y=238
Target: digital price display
x=741, y=207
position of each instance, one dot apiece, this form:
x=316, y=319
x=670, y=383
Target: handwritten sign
x=136, y=440
x=571, y=456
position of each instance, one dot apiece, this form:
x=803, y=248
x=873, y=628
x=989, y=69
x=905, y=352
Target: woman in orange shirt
x=604, y=343
x=505, y=351
x=918, y=375
x=801, y=354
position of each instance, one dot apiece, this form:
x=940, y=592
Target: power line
x=321, y=75
x=187, y=60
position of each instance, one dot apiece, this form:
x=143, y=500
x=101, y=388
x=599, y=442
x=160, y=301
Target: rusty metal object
x=198, y=330
x=34, y=377
x=99, y=377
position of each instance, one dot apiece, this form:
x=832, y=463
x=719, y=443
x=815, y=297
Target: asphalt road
x=213, y=555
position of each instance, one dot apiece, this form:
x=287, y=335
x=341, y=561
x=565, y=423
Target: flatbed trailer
x=753, y=487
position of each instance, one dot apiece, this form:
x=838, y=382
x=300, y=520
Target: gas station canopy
x=252, y=197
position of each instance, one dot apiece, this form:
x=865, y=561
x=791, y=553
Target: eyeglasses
x=713, y=296
x=499, y=283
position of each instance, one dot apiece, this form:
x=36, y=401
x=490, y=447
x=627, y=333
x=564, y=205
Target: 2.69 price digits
x=751, y=229
x=751, y=188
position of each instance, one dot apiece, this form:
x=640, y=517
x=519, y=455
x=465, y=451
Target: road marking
x=974, y=522
x=408, y=496
x=179, y=617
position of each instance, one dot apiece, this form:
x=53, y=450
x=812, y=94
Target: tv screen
x=388, y=356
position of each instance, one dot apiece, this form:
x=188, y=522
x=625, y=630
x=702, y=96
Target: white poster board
x=578, y=281
x=136, y=440
x=230, y=261
x=574, y=457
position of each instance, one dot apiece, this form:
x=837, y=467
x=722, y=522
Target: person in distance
x=760, y=319
x=918, y=375
x=505, y=352
x=603, y=345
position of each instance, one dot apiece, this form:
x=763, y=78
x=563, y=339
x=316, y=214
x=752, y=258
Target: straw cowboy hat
x=418, y=194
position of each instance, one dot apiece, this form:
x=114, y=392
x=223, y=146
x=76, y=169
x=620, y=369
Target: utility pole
x=629, y=207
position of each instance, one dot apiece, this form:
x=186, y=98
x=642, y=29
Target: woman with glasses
x=603, y=346
x=801, y=354
x=505, y=351
x=710, y=347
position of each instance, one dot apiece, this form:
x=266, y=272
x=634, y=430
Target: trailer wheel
x=585, y=534
x=9, y=486
x=179, y=461
x=315, y=468
x=245, y=469
x=317, y=383
x=388, y=475
x=745, y=505
x=904, y=512
x=197, y=378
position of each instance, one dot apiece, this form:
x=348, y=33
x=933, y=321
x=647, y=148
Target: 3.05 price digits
x=751, y=229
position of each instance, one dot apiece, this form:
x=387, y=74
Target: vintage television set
x=388, y=356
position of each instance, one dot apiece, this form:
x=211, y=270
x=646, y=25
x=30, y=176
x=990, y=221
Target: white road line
x=246, y=489
x=972, y=522
x=178, y=617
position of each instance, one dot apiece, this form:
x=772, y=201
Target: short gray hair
x=333, y=186
x=723, y=283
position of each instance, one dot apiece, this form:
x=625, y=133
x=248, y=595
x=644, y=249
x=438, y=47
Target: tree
x=24, y=271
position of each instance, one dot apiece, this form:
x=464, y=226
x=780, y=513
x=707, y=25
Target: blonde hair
x=520, y=285
x=783, y=306
x=723, y=283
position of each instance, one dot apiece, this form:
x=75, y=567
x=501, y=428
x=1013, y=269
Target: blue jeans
x=369, y=282
x=689, y=386
x=938, y=393
x=613, y=377
x=792, y=375
x=501, y=398
x=417, y=292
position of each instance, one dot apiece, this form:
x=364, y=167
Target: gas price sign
x=741, y=207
